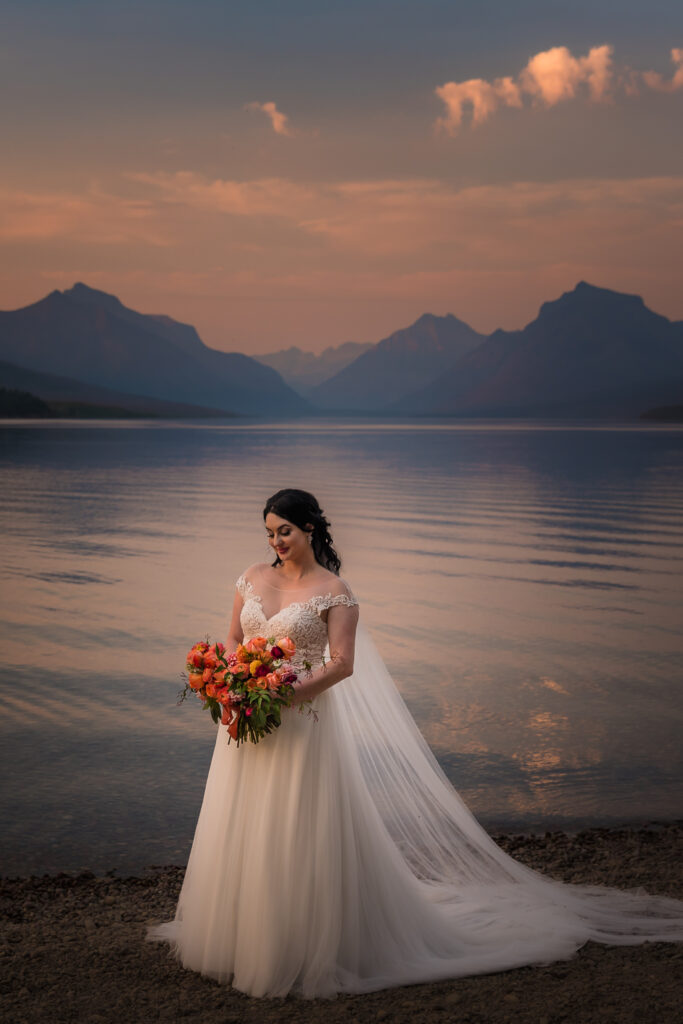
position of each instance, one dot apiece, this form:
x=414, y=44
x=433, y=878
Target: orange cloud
x=655, y=81
x=326, y=261
x=550, y=77
x=482, y=96
x=554, y=75
x=277, y=119
x=261, y=196
x=94, y=216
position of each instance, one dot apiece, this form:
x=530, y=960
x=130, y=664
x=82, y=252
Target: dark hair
x=302, y=509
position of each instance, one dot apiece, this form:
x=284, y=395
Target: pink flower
x=256, y=645
x=247, y=711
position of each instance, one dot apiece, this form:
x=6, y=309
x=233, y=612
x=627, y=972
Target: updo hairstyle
x=302, y=509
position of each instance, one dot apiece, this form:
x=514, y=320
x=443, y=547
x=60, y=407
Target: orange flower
x=256, y=644
x=207, y=675
x=272, y=680
x=210, y=689
x=196, y=680
x=242, y=654
x=287, y=646
x=210, y=660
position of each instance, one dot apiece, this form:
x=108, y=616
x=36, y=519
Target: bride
x=334, y=855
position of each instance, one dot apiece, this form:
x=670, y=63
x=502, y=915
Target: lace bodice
x=301, y=621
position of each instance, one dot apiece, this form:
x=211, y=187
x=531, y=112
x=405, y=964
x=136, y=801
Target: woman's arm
x=235, y=633
x=341, y=631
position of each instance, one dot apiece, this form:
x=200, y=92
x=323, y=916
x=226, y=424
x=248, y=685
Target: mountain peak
x=84, y=293
x=590, y=299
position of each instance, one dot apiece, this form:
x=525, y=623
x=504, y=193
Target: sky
x=307, y=173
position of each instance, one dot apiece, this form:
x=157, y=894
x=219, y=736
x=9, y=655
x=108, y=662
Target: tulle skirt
x=334, y=856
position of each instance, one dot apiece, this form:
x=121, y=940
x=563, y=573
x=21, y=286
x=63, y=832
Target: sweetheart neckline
x=293, y=604
x=254, y=596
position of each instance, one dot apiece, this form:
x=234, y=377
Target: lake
x=543, y=560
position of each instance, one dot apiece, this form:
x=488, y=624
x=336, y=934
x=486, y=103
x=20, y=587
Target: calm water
x=543, y=562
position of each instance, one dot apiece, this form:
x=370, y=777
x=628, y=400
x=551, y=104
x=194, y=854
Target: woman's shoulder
x=253, y=571
x=338, y=590
x=246, y=579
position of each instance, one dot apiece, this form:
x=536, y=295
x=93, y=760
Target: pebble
x=73, y=952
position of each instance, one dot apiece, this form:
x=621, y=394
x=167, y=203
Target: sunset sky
x=308, y=173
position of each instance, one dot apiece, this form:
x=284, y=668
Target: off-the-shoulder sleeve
x=324, y=601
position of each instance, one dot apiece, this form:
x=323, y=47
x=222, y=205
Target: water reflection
x=519, y=557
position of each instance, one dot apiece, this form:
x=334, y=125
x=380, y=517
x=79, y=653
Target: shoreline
x=73, y=950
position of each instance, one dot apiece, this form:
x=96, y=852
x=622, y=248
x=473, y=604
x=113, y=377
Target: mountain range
x=91, y=337
x=409, y=358
x=591, y=352
x=303, y=371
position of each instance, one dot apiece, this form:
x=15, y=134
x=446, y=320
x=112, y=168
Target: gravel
x=73, y=949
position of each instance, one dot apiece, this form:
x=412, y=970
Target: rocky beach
x=73, y=951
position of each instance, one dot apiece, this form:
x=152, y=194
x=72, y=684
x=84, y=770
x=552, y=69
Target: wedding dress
x=335, y=855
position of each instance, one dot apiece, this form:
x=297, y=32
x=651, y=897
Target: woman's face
x=287, y=541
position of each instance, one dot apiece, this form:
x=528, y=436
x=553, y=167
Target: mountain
x=92, y=337
x=397, y=365
x=592, y=352
x=53, y=388
x=304, y=370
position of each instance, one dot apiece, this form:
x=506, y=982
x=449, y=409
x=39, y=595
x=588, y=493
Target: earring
x=310, y=537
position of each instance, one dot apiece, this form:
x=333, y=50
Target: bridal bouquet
x=246, y=689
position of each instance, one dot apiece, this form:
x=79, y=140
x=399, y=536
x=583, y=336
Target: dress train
x=336, y=856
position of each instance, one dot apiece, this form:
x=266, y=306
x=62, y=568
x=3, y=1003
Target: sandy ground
x=72, y=949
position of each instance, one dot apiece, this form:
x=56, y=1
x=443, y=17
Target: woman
x=334, y=855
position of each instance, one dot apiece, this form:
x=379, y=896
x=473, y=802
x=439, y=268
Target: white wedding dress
x=335, y=855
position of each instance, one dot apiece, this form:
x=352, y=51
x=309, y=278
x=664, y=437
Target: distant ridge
x=592, y=352
x=398, y=364
x=303, y=370
x=53, y=388
x=90, y=336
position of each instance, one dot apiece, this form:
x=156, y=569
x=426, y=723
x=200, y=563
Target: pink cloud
x=483, y=97
x=277, y=119
x=555, y=75
x=260, y=196
x=655, y=81
x=93, y=217
x=550, y=77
